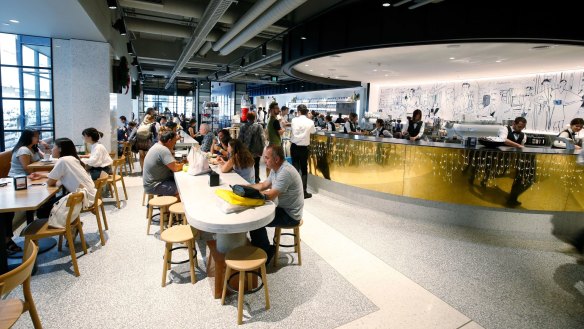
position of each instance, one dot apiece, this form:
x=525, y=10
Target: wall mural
x=547, y=101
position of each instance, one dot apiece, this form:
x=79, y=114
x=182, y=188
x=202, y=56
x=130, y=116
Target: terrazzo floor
x=361, y=269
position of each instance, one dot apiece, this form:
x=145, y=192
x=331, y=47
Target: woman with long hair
x=70, y=171
x=98, y=160
x=220, y=144
x=414, y=128
x=240, y=160
x=24, y=153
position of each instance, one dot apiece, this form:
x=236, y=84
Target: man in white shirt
x=512, y=135
x=302, y=127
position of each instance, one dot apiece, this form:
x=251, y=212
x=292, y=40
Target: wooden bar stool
x=177, y=210
x=245, y=259
x=146, y=197
x=179, y=234
x=162, y=202
x=278, y=234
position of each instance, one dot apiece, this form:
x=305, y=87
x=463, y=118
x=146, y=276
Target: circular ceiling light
x=386, y=4
x=14, y=21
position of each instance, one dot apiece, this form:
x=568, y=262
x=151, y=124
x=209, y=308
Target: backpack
x=59, y=212
x=257, y=142
x=145, y=130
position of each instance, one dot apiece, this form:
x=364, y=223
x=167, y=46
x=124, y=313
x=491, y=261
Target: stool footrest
x=251, y=291
x=285, y=245
x=182, y=261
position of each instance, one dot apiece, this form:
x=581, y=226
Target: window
x=26, y=96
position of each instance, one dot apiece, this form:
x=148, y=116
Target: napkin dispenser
x=20, y=182
x=213, y=179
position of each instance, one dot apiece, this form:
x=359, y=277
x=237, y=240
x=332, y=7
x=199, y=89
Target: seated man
x=284, y=187
x=205, y=131
x=159, y=166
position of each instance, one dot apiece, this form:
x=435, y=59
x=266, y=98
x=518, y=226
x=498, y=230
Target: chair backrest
x=73, y=200
x=5, y=163
x=14, y=278
x=117, y=167
x=127, y=148
x=99, y=184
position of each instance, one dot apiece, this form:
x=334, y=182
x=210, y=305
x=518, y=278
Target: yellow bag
x=235, y=199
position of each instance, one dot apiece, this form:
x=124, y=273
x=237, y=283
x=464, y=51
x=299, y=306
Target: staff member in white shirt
x=570, y=133
x=414, y=128
x=302, y=127
x=512, y=134
x=99, y=159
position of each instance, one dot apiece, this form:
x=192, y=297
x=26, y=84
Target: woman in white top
x=414, y=128
x=99, y=159
x=70, y=171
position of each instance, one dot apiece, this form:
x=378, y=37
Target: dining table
x=42, y=165
x=29, y=199
x=203, y=212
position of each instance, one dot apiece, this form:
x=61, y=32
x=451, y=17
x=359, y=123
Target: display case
x=210, y=115
x=323, y=105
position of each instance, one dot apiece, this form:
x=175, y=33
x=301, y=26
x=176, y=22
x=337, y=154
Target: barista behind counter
x=414, y=128
x=570, y=134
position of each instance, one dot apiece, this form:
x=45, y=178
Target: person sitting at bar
x=220, y=143
x=240, y=160
x=350, y=126
x=512, y=134
x=208, y=137
x=414, y=127
x=284, y=186
x=329, y=125
x=99, y=159
x=570, y=133
x=380, y=131
x=160, y=165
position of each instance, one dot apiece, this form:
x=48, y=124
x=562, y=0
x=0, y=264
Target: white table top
x=188, y=141
x=200, y=203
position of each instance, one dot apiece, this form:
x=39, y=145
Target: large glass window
x=26, y=96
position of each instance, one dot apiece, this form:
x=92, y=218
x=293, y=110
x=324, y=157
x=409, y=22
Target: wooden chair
x=277, y=236
x=5, y=163
x=245, y=259
x=162, y=203
x=117, y=176
x=40, y=229
x=12, y=309
x=129, y=155
x=97, y=204
x=177, y=210
x=179, y=234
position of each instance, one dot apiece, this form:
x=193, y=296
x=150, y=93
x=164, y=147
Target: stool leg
x=184, y=219
x=167, y=248
x=277, y=235
x=249, y=281
x=149, y=212
x=240, y=297
x=162, y=212
x=190, y=245
x=170, y=216
x=225, y=282
x=265, y=281
x=297, y=241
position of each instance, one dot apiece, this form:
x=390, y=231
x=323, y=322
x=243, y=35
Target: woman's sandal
x=12, y=247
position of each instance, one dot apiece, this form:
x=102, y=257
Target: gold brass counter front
x=484, y=177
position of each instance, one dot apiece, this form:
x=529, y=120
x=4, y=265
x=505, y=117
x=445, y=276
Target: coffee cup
x=47, y=157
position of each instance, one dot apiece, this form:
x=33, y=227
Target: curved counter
x=544, y=179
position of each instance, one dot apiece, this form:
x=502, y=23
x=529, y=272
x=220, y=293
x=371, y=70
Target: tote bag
x=198, y=162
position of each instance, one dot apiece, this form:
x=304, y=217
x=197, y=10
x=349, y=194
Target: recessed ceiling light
x=386, y=4
x=387, y=75
x=14, y=21
x=498, y=61
x=302, y=38
x=310, y=70
x=452, y=58
x=375, y=70
x=322, y=74
x=5, y=24
x=306, y=65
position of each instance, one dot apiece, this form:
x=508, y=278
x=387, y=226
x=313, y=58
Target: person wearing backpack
x=251, y=134
x=146, y=135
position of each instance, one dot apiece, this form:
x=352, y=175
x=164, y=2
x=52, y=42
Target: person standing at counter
x=380, y=131
x=275, y=130
x=350, y=126
x=302, y=127
x=284, y=187
x=570, y=133
x=414, y=128
x=330, y=126
x=512, y=134
x=160, y=165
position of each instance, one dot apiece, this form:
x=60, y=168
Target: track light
x=227, y=69
x=264, y=50
x=135, y=62
x=242, y=63
x=120, y=26
x=112, y=4
x=129, y=48
x=216, y=76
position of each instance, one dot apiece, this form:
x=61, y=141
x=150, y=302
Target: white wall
x=81, y=83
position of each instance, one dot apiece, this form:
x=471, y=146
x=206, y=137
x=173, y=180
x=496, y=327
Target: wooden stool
x=179, y=234
x=177, y=210
x=162, y=202
x=296, y=244
x=245, y=259
x=150, y=196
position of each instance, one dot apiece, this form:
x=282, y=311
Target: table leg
x=3, y=255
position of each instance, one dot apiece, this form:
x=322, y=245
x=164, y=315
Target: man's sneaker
x=307, y=195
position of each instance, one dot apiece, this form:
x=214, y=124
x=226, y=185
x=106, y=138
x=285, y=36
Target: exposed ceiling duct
x=186, y=8
x=272, y=15
x=212, y=14
x=253, y=13
x=205, y=49
x=253, y=66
